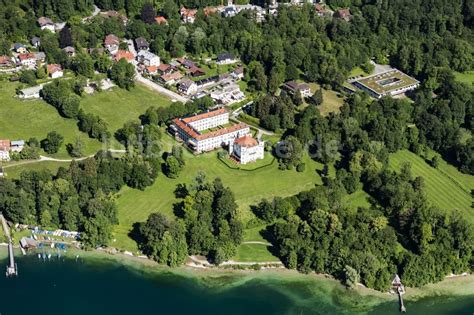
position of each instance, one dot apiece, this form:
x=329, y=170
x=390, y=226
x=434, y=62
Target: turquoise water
x=106, y=287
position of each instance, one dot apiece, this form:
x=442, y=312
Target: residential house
x=40, y=57
x=247, y=149
x=322, y=10
x=230, y=11
x=148, y=58
x=4, y=150
x=165, y=68
x=31, y=92
x=112, y=44
x=46, y=24
x=55, y=71
x=151, y=70
x=187, y=86
x=36, y=42
x=188, y=64
x=27, y=60
x=171, y=78
x=196, y=71
x=293, y=86
x=70, y=51
x=188, y=15
x=59, y=26
x=238, y=73
x=210, y=10
x=344, y=14
x=161, y=20
x=17, y=145
x=20, y=48
x=5, y=61
x=225, y=59
x=124, y=54
x=114, y=14
x=142, y=44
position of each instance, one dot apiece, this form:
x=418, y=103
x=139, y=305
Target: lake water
x=89, y=286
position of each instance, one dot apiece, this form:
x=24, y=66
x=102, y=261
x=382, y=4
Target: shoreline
x=452, y=285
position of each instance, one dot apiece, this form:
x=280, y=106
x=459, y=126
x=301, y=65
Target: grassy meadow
x=465, y=77
x=446, y=187
x=23, y=119
x=118, y=106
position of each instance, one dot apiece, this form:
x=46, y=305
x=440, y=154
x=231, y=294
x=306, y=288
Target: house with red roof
x=27, y=60
x=124, y=54
x=111, y=43
x=188, y=15
x=161, y=20
x=4, y=150
x=247, y=149
x=55, y=71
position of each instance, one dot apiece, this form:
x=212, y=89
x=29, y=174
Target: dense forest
x=79, y=198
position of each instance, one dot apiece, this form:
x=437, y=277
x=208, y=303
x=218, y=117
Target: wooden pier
x=400, y=290
x=12, y=268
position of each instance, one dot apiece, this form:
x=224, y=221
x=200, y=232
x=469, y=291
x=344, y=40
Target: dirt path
x=47, y=158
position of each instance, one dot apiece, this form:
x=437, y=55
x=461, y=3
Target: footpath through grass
x=446, y=187
x=249, y=188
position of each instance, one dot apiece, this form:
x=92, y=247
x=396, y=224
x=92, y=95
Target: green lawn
x=254, y=252
x=23, y=119
x=249, y=188
x=332, y=101
x=446, y=187
x=357, y=71
x=465, y=77
x=118, y=106
x=14, y=171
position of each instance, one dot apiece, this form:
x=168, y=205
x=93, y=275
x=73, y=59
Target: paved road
x=96, y=11
x=150, y=84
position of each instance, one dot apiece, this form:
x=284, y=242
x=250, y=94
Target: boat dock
x=12, y=269
x=400, y=290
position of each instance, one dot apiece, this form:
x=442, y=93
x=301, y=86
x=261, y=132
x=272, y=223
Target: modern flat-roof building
x=208, y=131
x=391, y=82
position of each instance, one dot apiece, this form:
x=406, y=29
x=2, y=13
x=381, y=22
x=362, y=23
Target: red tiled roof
x=52, y=68
x=4, y=145
x=195, y=135
x=124, y=54
x=111, y=40
x=163, y=67
x=187, y=12
x=5, y=60
x=26, y=56
x=172, y=76
x=319, y=7
x=223, y=131
x=246, y=141
x=210, y=114
x=151, y=69
x=161, y=20
x=209, y=10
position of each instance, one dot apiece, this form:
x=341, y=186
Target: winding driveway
x=150, y=84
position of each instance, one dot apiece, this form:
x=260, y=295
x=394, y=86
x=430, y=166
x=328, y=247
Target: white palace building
x=212, y=130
